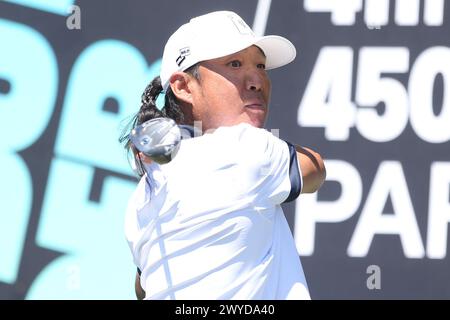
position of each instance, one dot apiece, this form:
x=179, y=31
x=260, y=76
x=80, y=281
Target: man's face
x=231, y=90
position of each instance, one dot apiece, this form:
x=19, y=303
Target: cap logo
x=183, y=53
x=242, y=27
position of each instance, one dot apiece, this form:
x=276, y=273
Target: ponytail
x=149, y=110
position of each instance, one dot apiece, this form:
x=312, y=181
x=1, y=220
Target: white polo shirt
x=209, y=225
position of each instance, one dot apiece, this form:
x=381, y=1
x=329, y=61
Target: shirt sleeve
x=295, y=176
x=275, y=173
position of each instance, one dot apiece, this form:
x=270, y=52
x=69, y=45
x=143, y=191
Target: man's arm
x=312, y=168
x=140, y=293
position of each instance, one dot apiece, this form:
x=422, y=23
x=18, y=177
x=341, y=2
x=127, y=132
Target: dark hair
x=149, y=110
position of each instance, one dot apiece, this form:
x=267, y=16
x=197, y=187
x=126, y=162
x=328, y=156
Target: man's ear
x=180, y=84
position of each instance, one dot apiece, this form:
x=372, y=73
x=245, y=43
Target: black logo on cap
x=183, y=53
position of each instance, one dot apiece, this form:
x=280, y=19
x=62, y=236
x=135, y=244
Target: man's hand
x=144, y=158
x=140, y=293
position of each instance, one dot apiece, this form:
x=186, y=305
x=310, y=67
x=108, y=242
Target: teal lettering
x=97, y=263
x=28, y=63
x=106, y=69
x=54, y=6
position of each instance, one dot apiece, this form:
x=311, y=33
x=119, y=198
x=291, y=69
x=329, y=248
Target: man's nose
x=254, y=80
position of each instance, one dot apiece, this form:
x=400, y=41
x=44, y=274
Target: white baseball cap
x=218, y=34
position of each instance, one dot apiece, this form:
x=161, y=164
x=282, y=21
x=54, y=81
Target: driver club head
x=157, y=138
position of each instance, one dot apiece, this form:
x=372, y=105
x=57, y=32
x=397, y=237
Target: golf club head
x=157, y=138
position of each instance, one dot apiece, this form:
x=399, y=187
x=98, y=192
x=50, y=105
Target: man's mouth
x=256, y=105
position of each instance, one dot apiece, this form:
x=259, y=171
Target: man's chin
x=256, y=122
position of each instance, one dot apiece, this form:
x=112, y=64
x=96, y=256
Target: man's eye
x=235, y=63
x=262, y=66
